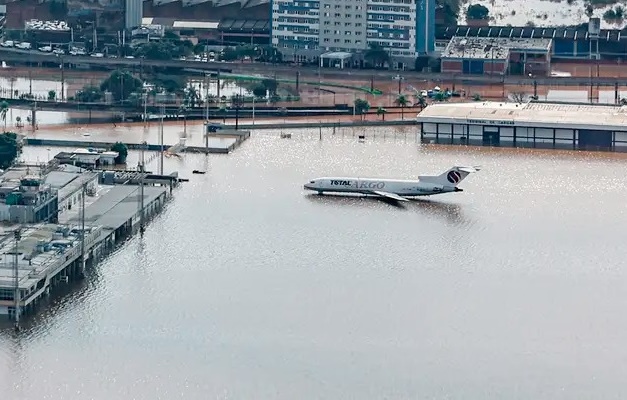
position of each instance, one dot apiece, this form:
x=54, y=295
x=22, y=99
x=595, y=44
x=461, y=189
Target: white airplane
x=395, y=189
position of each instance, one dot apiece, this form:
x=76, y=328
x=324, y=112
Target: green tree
x=421, y=102
x=88, y=94
x=122, y=151
x=121, y=84
x=9, y=149
x=52, y=95
x=477, y=12
x=271, y=85
x=169, y=83
x=402, y=101
x=229, y=54
x=192, y=97
x=377, y=55
x=361, y=107
x=4, y=108
x=381, y=112
x=259, y=91
x=450, y=11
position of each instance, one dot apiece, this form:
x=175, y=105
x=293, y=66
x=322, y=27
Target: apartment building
x=304, y=29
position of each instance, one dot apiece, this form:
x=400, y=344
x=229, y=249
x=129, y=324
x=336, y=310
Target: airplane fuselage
x=399, y=187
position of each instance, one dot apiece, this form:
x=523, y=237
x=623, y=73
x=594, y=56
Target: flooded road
x=247, y=287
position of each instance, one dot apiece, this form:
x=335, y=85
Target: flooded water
x=247, y=287
x=23, y=83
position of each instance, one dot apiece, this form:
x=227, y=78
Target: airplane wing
x=390, y=195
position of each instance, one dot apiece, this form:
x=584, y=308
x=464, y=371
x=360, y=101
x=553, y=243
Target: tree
x=402, y=101
x=450, y=11
x=421, y=102
x=122, y=151
x=88, y=94
x=192, y=97
x=271, y=85
x=259, y=91
x=169, y=83
x=361, y=107
x=4, y=107
x=9, y=149
x=52, y=95
x=381, y=111
x=477, y=12
x=518, y=97
x=377, y=55
x=121, y=84
x=229, y=54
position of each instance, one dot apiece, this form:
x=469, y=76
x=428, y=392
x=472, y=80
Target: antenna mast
x=17, y=235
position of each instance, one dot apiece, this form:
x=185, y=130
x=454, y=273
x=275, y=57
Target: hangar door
x=594, y=139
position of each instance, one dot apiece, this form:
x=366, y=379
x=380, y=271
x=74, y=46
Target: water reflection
x=451, y=213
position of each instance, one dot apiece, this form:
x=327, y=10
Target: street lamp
x=17, y=236
x=400, y=79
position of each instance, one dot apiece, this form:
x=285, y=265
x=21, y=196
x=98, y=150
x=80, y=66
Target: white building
x=534, y=124
x=68, y=182
x=304, y=29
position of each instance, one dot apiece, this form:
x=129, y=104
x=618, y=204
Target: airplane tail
x=453, y=176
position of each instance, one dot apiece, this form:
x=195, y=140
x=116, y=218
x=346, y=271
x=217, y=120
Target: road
x=191, y=112
x=12, y=55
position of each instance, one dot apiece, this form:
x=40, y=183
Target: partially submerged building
x=26, y=198
x=533, y=124
x=497, y=56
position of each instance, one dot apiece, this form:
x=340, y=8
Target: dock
x=37, y=258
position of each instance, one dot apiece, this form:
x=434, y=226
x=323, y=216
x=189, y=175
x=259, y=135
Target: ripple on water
x=245, y=286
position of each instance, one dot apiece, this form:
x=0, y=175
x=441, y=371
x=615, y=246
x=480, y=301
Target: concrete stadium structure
x=534, y=124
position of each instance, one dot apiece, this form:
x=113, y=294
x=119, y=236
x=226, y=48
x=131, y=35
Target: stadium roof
x=527, y=32
x=245, y=25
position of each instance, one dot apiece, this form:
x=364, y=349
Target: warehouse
x=497, y=56
x=534, y=124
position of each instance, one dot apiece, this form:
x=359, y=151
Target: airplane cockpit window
x=312, y=182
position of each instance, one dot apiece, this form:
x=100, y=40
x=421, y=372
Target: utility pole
x=84, y=192
x=218, y=86
x=145, y=107
x=17, y=235
x=206, y=98
x=62, y=80
x=141, y=190
x=161, y=140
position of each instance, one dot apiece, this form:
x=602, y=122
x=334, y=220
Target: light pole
x=17, y=235
x=399, y=78
x=62, y=80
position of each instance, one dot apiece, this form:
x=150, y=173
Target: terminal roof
x=534, y=114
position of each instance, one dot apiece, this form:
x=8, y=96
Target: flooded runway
x=248, y=287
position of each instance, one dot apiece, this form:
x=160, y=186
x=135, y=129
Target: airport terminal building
x=533, y=124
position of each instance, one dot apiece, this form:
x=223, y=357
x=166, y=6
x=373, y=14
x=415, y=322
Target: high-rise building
x=133, y=14
x=305, y=29
x=425, y=27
